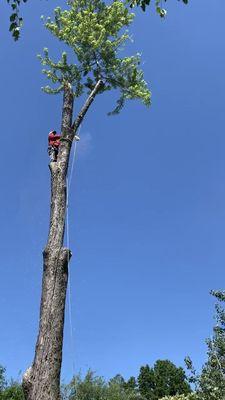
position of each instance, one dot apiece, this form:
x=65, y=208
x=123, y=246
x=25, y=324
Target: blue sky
x=147, y=201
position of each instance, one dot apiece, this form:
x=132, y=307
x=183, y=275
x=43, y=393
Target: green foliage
x=131, y=384
x=93, y=387
x=210, y=383
x=164, y=379
x=158, y=5
x=212, y=379
x=16, y=21
x=165, y=375
x=2, y=379
x=12, y=392
x=9, y=390
x=95, y=33
x=191, y=396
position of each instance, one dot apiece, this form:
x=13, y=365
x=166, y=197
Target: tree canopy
x=164, y=379
x=95, y=33
x=96, y=388
x=16, y=20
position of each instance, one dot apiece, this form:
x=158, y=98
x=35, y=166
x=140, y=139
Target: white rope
x=68, y=184
x=69, y=288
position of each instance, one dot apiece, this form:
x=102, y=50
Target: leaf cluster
x=16, y=21
x=95, y=33
x=158, y=5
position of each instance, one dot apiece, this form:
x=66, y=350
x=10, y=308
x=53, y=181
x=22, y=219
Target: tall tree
x=92, y=30
x=164, y=379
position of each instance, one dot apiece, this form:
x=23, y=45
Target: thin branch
x=86, y=106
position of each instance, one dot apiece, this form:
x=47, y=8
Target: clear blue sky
x=147, y=209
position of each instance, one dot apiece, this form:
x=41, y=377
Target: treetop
x=96, y=34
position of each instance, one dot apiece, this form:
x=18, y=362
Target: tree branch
x=86, y=106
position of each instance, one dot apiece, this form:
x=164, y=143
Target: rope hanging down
x=68, y=184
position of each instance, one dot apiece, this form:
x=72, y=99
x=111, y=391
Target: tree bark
x=42, y=380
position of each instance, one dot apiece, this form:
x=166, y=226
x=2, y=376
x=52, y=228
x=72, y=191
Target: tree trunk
x=42, y=380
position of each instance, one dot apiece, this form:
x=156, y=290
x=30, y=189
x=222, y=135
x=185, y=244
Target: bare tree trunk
x=42, y=380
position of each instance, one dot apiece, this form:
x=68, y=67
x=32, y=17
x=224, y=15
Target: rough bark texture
x=42, y=380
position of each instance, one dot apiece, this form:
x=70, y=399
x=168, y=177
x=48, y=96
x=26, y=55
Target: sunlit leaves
x=96, y=33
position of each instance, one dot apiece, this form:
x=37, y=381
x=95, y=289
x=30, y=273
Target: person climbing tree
x=53, y=145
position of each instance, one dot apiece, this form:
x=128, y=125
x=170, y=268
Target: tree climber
x=54, y=143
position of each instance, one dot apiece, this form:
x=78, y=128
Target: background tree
x=13, y=391
x=164, y=379
x=131, y=384
x=9, y=390
x=95, y=34
x=93, y=387
x=210, y=383
x=2, y=379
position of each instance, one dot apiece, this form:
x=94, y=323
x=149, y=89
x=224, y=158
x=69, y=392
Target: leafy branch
x=95, y=33
x=158, y=5
x=16, y=21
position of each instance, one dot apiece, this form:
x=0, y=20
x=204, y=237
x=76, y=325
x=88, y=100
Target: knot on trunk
x=65, y=255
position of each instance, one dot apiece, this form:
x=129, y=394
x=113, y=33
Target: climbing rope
x=68, y=184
